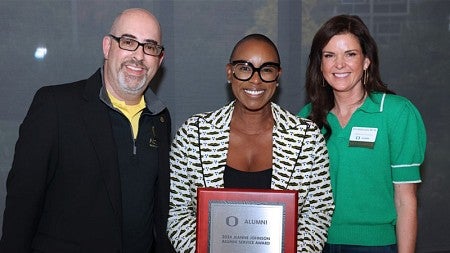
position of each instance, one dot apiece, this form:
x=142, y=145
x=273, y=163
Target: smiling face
x=343, y=63
x=253, y=94
x=127, y=73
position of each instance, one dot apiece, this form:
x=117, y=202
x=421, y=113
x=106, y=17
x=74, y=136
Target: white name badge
x=363, y=137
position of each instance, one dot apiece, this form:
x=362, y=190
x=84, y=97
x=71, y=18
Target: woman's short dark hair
x=258, y=37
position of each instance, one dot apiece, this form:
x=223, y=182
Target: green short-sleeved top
x=362, y=176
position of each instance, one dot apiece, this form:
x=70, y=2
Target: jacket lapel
x=214, y=129
x=288, y=137
x=98, y=127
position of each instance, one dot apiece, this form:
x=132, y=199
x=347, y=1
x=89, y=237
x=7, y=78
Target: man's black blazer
x=63, y=190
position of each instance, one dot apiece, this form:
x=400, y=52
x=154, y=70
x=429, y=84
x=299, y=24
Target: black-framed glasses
x=244, y=70
x=130, y=44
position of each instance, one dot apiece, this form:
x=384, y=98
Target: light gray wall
x=413, y=37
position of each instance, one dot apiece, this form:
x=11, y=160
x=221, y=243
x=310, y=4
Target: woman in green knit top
x=376, y=141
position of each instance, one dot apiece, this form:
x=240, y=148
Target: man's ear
x=161, y=58
x=106, y=46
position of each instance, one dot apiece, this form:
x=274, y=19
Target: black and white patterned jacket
x=300, y=162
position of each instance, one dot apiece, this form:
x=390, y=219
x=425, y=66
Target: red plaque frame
x=289, y=199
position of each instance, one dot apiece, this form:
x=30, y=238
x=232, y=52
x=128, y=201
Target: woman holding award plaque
x=251, y=143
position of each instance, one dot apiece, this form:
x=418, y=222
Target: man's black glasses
x=129, y=44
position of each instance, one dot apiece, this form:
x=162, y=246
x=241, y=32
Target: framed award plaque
x=246, y=220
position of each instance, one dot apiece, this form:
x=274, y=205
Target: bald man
x=90, y=170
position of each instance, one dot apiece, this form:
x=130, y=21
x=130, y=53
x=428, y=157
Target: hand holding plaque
x=244, y=220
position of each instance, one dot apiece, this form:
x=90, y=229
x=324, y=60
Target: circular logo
x=232, y=221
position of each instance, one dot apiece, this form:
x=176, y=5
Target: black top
x=234, y=178
x=138, y=175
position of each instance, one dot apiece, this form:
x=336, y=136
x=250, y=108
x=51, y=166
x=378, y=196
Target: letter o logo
x=232, y=221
